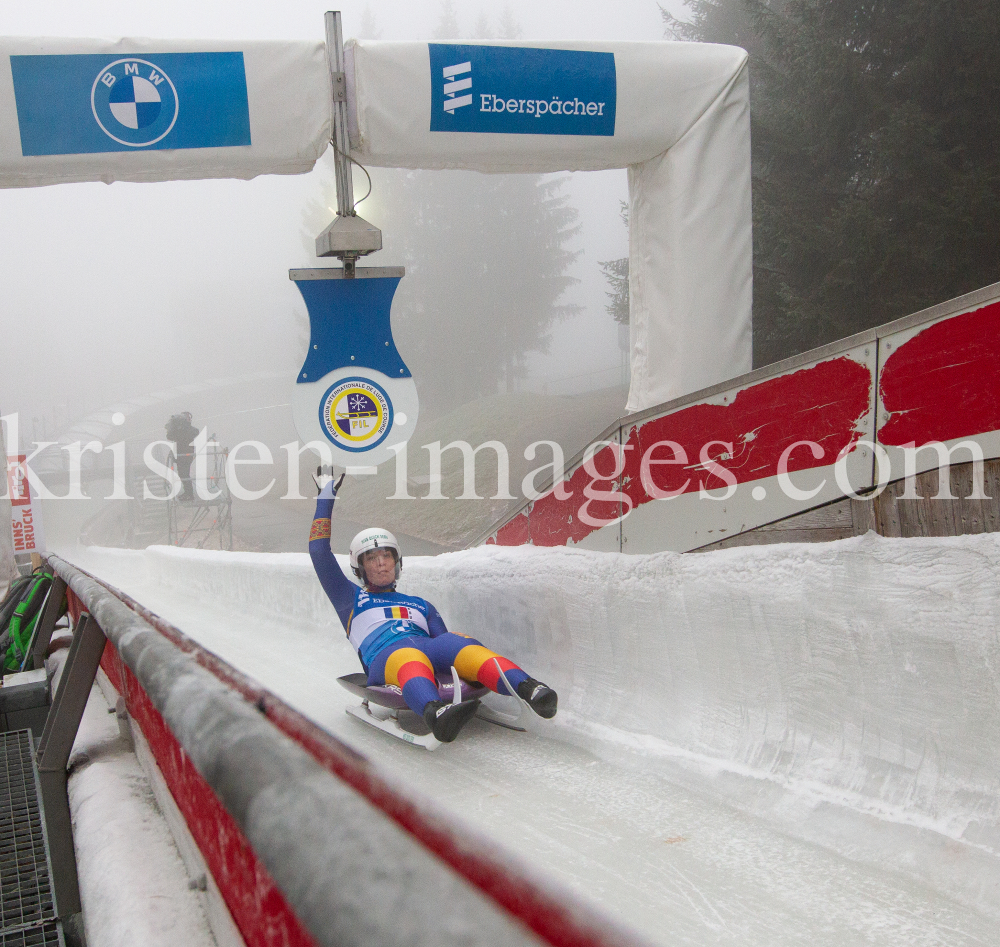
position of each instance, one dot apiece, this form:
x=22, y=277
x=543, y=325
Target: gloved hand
x=325, y=483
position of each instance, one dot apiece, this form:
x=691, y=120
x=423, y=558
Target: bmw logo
x=134, y=102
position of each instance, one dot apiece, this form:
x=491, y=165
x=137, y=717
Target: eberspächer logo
x=356, y=414
x=522, y=90
x=453, y=85
x=134, y=102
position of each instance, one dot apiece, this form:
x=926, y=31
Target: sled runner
x=382, y=706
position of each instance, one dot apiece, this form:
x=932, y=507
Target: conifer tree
x=876, y=157
x=482, y=30
x=509, y=28
x=447, y=25
x=616, y=274
x=369, y=25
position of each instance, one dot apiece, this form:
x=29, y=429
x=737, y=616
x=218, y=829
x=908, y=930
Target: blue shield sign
x=354, y=394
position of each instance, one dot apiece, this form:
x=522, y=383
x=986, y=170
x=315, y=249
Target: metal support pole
x=50, y=615
x=52, y=756
x=338, y=99
x=349, y=236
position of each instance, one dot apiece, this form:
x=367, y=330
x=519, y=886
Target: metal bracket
x=53, y=752
x=46, y=624
x=339, y=82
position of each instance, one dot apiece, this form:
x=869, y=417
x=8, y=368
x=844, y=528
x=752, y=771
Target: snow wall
x=849, y=691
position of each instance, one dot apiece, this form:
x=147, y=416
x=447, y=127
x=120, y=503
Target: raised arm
x=339, y=589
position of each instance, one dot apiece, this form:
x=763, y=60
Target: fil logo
x=453, y=85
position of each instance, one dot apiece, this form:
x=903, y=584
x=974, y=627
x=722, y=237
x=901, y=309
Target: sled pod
x=354, y=395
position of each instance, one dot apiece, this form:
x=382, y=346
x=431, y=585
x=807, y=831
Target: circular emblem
x=134, y=102
x=356, y=414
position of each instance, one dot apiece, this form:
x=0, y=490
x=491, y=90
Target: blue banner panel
x=72, y=105
x=522, y=91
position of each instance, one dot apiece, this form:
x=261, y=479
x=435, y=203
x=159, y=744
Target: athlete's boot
x=446, y=719
x=541, y=699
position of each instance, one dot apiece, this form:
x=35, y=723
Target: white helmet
x=375, y=538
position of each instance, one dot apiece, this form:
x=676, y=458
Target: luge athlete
x=402, y=639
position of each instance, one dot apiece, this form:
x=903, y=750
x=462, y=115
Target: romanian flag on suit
x=397, y=611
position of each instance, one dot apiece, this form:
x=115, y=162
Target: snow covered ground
x=772, y=745
x=133, y=883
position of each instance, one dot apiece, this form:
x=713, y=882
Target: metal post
x=52, y=756
x=47, y=622
x=338, y=98
x=349, y=236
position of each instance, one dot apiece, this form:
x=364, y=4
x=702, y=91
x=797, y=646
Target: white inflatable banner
x=159, y=110
x=677, y=115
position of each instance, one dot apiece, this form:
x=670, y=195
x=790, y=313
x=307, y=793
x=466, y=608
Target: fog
x=114, y=297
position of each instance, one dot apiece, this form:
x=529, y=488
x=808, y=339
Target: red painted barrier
x=944, y=383
x=937, y=375
x=761, y=423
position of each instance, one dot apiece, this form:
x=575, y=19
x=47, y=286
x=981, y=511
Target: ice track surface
x=773, y=745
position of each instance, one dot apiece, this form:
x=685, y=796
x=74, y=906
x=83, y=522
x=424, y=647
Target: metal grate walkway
x=28, y=908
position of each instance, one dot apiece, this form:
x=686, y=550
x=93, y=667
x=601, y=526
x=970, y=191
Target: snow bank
x=864, y=672
x=133, y=884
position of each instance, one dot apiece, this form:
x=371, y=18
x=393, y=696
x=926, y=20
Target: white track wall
x=853, y=676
